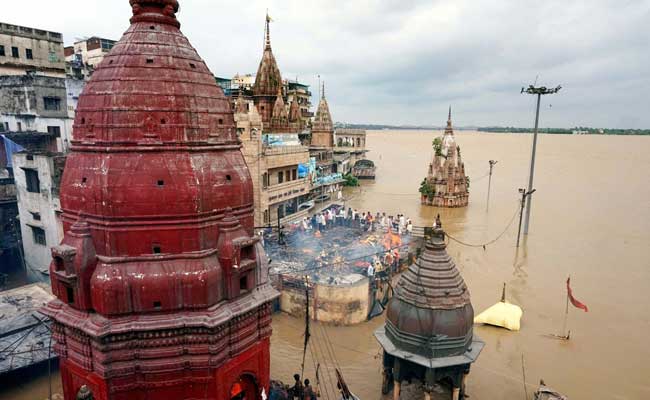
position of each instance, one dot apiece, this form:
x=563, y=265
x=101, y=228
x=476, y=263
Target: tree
x=437, y=146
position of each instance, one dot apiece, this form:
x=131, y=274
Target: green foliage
x=427, y=189
x=467, y=181
x=437, y=146
x=565, y=131
x=350, y=180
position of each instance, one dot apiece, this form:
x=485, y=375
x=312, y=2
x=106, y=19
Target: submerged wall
x=343, y=304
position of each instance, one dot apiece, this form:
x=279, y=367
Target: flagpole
x=566, y=314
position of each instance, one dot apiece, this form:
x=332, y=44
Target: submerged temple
x=161, y=286
x=428, y=335
x=446, y=184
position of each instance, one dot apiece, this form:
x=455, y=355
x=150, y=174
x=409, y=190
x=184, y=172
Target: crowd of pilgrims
x=352, y=218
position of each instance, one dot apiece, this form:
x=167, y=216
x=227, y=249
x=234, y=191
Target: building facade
x=84, y=56
x=35, y=103
x=446, y=184
x=161, y=284
x=38, y=180
x=29, y=49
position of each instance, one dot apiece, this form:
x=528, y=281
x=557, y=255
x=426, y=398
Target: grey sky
x=405, y=61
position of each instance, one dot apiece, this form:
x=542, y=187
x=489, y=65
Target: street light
x=539, y=91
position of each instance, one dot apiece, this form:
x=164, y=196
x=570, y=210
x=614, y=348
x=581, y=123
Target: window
x=52, y=103
x=20, y=126
x=280, y=177
x=38, y=234
x=36, y=216
x=29, y=54
x=70, y=293
x=14, y=52
x=243, y=284
x=31, y=178
x=2, y=50
x=294, y=174
x=265, y=180
x=6, y=126
x=54, y=130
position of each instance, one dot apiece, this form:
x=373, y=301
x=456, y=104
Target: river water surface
x=590, y=220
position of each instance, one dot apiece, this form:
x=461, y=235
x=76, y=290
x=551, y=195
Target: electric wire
x=483, y=245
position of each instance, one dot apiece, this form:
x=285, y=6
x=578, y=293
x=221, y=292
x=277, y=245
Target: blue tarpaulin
x=11, y=147
x=303, y=170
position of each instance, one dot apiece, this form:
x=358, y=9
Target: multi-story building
x=299, y=92
x=28, y=49
x=35, y=103
x=350, y=148
x=37, y=176
x=85, y=55
x=11, y=254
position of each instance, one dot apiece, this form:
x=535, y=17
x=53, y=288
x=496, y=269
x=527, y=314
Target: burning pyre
x=338, y=255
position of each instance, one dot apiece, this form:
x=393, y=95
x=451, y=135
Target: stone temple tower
x=446, y=184
x=161, y=286
x=322, y=130
x=428, y=335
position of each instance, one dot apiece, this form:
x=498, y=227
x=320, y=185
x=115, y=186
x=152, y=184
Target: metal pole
x=532, y=166
x=521, y=212
x=492, y=163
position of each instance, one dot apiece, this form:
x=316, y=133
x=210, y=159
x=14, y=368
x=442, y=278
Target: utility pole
x=539, y=91
x=524, y=194
x=492, y=164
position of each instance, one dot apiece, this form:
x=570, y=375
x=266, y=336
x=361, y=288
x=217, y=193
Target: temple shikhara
x=322, y=128
x=428, y=335
x=277, y=117
x=446, y=184
x=161, y=286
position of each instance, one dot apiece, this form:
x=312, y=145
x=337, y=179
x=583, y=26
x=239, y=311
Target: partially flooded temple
x=428, y=335
x=446, y=184
x=161, y=286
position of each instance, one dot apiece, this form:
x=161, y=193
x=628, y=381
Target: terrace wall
x=336, y=304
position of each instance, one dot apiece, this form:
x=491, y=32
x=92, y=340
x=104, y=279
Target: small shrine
x=428, y=335
x=446, y=184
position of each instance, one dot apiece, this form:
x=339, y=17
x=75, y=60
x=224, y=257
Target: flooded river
x=590, y=220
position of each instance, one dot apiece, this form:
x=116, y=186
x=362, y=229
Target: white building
x=37, y=177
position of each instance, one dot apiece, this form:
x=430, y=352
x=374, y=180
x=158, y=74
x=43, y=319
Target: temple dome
x=155, y=158
x=431, y=313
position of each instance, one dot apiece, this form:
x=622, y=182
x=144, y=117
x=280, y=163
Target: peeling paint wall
x=22, y=106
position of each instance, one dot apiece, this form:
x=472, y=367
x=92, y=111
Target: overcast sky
x=406, y=61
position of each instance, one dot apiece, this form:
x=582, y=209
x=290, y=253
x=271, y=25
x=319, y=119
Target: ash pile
x=339, y=254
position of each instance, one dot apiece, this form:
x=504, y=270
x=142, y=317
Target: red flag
x=575, y=302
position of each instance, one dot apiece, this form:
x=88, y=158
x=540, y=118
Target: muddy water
x=590, y=220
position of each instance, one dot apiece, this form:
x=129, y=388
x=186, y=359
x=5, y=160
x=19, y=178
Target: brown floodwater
x=590, y=220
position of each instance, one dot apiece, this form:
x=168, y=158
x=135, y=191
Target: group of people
x=352, y=218
x=302, y=391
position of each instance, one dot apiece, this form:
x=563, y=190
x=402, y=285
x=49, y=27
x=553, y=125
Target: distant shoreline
x=499, y=129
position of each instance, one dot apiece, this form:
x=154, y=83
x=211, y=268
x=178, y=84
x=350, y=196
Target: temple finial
x=449, y=119
x=267, y=31
x=323, y=89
